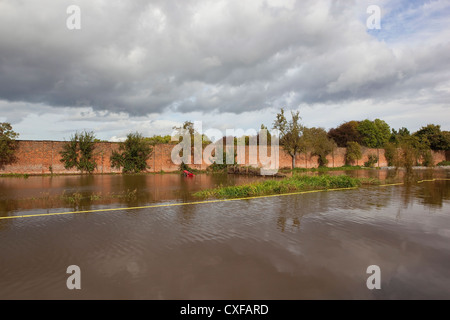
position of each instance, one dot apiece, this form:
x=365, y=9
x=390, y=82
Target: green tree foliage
x=410, y=149
x=374, y=133
x=433, y=137
x=346, y=132
x=318, y=144
x=353, y=152
x=227, y=162
x=290, y=134
x=69, y=154
x=157, y=139
x=8, y=144
x=397, y=136
x=79, y=152
x=406, y=150
x=371, y=160
x=133, y=154
x=409, y=152
x=427, y=158
x=390, y=152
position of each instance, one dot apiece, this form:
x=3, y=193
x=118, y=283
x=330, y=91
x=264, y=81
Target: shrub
x=8, y=144
x=390, y=153
x=409, y=155
x=133, y=154
x=228, y=160
x=353, y=152
x=427, y=158
x=372, y=159
x=319, y=144
x=184, y=166
x=79, y=152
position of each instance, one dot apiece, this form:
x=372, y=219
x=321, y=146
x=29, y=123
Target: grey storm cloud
x=143, y=57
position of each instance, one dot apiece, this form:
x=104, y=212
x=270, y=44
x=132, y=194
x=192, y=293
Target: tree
x=319, y=144
x=374, y=134
x=195, y=136
x=410, y=150
x=407, y=151
x=390, y=152
x=353, y=152
x=346, y=132
x=371, y=160
x=396, y=136
x=8, y=144
x=290, y=134
x=433, y=137
x=79, y=152
x=157, y=139
x=133, y=154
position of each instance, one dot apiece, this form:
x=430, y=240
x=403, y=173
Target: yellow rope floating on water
x=198, y=202
x=431, y=180
x=391, y=184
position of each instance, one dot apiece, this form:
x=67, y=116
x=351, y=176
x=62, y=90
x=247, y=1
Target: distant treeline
x=402, y=148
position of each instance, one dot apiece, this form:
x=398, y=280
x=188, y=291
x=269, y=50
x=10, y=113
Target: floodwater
x=307, y=246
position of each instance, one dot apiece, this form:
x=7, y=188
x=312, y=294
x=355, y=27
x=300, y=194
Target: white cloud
x=149, y=65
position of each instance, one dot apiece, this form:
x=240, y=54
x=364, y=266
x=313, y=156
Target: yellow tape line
x=196, y=202
x=433, y=180
x=391, y=184
x=170, y=204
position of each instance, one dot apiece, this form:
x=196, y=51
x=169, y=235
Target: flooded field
x=306, y=246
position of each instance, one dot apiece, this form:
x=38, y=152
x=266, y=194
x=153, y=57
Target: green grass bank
x=295, y=183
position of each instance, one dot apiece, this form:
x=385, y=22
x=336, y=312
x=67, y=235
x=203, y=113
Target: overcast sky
x=149, y=65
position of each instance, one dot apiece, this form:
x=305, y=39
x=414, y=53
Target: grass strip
x=286, y=185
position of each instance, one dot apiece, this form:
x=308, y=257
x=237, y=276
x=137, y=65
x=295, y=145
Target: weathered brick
x=37, y=157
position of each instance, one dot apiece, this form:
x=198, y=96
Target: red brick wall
x=36, y=157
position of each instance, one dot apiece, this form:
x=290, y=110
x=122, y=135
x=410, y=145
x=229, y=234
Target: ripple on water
x=314, y=245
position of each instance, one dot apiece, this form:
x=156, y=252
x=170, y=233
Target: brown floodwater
x=307, y=246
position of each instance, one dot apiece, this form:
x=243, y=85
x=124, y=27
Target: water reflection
x=90, y=191
x=315, y=245
x=87, y=192
x=186, y=214
x=433, y=193
x=289, y=215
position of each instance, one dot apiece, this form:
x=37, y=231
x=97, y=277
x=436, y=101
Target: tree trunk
x=293, y=160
